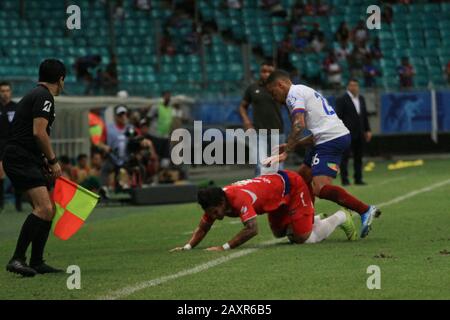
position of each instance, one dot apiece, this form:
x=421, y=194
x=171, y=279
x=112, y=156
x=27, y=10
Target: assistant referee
x=30, y=163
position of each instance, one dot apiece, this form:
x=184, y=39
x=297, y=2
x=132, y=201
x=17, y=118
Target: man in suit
x=351, y=108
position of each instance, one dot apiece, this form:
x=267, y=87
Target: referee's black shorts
x=24, y=169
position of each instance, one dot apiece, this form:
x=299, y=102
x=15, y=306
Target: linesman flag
x=73, y=205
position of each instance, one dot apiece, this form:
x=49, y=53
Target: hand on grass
x=218, y=248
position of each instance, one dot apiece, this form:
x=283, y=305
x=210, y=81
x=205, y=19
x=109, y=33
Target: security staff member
x=29, y=161
x=7, y=112
x=266, y=115
x=351, y=108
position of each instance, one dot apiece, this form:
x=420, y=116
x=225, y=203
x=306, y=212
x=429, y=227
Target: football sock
x=1, y=193
x=26, y=235
x=323, y=228
x=317, y=218
x=39, y=241
x=343, y=198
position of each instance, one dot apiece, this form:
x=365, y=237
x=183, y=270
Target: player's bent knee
x=279, y=233
x=299, y=238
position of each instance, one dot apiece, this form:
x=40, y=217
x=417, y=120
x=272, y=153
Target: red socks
x=343, y=198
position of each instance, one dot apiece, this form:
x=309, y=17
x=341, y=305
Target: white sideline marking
x=205, y=266
x=201, y=267
x=413, y=193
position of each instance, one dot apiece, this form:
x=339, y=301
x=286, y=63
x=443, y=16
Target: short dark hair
x=5, y=83
x=267, y=63
x=210, y=197
x=352, y=80
x=95, y=151
x=82, y=156
x=51, y=70
x=277, y=74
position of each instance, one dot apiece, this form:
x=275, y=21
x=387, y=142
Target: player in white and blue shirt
x=328, y=140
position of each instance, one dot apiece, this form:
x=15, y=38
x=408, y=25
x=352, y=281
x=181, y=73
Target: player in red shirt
x=284, y=196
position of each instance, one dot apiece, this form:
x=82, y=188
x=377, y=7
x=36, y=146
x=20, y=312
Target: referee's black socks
x=34, y=230
x=39, y=241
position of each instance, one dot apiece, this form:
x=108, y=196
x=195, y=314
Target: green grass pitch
x=128, y=247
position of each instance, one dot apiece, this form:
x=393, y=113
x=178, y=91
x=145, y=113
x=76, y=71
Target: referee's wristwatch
x=52, y=161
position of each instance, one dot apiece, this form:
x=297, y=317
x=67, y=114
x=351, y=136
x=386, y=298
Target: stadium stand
x=144, y=67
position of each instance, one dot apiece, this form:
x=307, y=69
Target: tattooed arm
x=295, y=137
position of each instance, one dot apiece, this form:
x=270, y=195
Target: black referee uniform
x=24, y=164
x=7, y=113
x=23, y=160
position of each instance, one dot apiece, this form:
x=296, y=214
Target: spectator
x=406, y=73
x=161, y=117
x=110, y=79
x=83, y=174
x=301, y=42
x=144, y=5
x=85, y=69
x=97, y=130
x=96, y=163
x=283, y=52
x=375, y=49
x=343, y=33
x=356, y=61
x=342, y=52
x=150, y=156
x=119, y=11
x=117, y=144
x=298, y=11
x=359, y=34
x=67, y=168
x=266, y=115
x=370, y=73
x=134, y=120
x=333, y=71
x=318, y=44
x=81, y=171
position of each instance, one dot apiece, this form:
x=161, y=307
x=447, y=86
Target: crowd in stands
x=351, y=52
x=97, y=78
x=131, y=151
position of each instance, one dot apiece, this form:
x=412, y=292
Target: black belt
x=287, y=184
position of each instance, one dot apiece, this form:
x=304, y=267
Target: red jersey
x=252, y=197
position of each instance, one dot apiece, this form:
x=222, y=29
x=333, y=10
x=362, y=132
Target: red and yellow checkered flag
x=73, y=205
